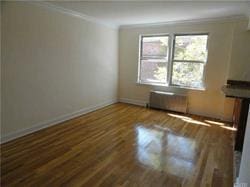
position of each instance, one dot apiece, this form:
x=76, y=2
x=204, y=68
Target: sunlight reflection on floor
x=189, y=120
x=206, y=123
x=229, y=128
x=214, y=122
x=178, y=116
x=196, y=122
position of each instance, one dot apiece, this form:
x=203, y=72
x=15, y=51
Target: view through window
x=185, y=66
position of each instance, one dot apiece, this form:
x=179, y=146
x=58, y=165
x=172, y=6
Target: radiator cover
x=168, y=101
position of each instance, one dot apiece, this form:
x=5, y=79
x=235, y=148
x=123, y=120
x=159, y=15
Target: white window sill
x=169, y=86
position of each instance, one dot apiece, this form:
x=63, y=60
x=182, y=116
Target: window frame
x=139, y=81
x=170, y=60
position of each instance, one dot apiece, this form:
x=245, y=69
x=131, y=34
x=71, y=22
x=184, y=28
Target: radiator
x=168, y=101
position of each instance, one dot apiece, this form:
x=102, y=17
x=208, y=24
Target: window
x=189, y=58
x=153, y=59
x=187, y=64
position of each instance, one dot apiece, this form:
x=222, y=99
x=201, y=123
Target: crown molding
x=72, y=13
x=183, y=22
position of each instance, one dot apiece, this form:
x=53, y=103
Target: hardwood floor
x=123, y=145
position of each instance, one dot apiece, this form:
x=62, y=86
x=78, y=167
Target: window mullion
x=189, y=61
x=140, y=58
x=171, y=57
x=154, y=58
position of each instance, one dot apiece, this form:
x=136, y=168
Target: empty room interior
x=125, y=93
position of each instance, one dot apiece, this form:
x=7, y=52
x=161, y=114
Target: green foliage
x=191, y=48
x=188, y=74
x=161, y=73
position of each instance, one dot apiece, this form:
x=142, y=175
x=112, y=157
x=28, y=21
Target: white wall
x=210, y=102
x=248, y=22
x=53, y=65
x=240, y=57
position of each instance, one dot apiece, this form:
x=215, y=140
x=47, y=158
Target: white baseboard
x=55, y=121
x=133, y=101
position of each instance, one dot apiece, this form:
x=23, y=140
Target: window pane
x=192, y=47
x=155, y=47
x=153, y=71
x=188, y=74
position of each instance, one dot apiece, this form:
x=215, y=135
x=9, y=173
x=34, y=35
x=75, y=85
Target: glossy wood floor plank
x=123, y=145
